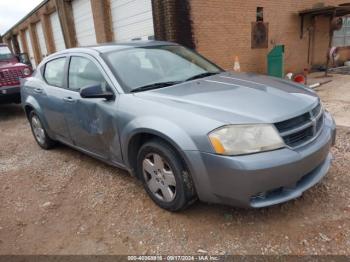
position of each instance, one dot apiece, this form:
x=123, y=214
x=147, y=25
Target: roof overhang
x=8, y=32
x=330, y=11
x=335, y=11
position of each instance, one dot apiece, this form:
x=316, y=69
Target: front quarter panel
x=158, y=127
x=186, y=131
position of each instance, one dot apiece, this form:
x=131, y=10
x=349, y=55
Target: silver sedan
x=182, y=125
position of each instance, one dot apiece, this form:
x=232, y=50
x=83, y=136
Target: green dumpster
x=275, y=61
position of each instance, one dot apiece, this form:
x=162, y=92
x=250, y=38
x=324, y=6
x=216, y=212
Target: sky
x=11, y=11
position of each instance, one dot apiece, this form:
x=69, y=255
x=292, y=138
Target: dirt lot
x=63, y=202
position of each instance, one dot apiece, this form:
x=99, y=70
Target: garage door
x=84, y=22
x=132, y=20
x=57, y=32
x=41, y=38
x=30, y=49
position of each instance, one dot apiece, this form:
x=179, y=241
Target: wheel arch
x=29, y=105
x=28, y=109
x=141, y=137
x=142, y=128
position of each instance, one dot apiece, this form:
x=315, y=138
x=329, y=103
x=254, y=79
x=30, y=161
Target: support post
x=48, y=34
x=101, y=11
x=35, y=43
x=65, y=13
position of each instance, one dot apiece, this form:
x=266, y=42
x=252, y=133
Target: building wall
x=219, y=29
x=222, y=30
x=82, y=22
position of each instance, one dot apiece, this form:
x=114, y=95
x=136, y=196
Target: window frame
x=64, y=85
x=96, y=63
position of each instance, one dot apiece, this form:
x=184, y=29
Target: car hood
x=237, y=98
x=12, y=63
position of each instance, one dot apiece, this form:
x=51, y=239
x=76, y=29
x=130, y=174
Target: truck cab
x=11, y=70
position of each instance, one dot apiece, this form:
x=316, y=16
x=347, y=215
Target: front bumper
x=263, y=179
x=8, y=93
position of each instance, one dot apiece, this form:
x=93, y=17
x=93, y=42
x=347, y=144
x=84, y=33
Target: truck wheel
x=40, y=135
x=164, y=176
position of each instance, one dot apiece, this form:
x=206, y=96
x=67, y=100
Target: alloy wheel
x=38, y=130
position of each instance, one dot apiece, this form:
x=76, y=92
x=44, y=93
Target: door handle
x=69, y=100
x=38, y=90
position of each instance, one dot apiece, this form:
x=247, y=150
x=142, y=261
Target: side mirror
x=95, y=91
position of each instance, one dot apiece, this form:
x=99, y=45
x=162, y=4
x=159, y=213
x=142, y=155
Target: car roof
x=108, y=47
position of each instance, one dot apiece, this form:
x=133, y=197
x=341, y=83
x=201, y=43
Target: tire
x=39, y=132
x=164, y=176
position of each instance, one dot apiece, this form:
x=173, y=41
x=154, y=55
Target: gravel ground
x=63, y=202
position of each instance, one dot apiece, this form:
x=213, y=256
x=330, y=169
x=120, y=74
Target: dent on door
x=93, y=127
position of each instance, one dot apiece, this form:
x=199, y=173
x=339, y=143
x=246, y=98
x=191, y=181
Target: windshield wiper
x=154, y=86
x=201, y=76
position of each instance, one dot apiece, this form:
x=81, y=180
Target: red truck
x=11, y=70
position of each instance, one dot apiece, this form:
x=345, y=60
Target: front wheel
x=39, y=132
x=164, y=176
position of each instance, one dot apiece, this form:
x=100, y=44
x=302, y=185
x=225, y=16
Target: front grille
x=10, y=77
x=294, y=122
x=316, y=110
x=298, y=138
x=299, y=130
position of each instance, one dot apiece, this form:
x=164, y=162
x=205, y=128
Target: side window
x=83, y=72
x=54, y=72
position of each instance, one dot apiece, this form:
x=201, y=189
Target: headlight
x=245, y=139
x=26, y=71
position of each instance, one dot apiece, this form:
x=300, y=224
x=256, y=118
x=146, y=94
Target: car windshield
x=5, y=53
x=151, y=66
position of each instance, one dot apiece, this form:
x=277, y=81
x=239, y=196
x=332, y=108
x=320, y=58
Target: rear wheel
x=39, y=132
x=164, y=176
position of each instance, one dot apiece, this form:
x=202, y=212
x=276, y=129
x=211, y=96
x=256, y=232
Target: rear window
x=54, y=72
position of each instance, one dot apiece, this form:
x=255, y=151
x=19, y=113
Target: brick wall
x=172, y=21
x=222, y=29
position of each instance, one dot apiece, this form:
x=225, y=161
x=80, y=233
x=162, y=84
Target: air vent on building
x=260, y=35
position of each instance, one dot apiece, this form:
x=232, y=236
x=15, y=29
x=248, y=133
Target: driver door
x=92, y=122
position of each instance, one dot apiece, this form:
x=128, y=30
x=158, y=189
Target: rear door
x=92, y=122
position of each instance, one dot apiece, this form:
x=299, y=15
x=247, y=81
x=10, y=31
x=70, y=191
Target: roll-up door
x=41, y=39
x=57, y=32
x=84, y=22
x=132, y=20
x=30, y=48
